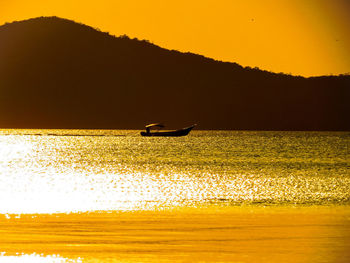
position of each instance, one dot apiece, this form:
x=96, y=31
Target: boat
x=176, y=133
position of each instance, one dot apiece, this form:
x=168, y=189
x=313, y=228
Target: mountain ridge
x=56, y=73
x=147, y=42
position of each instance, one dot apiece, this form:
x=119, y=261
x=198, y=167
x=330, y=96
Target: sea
x=86, y=183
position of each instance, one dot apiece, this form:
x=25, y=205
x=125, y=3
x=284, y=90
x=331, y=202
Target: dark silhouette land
x=55, y=73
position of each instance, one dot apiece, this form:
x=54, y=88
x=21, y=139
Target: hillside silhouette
x=55, y=73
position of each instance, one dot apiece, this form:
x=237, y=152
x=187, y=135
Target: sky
x=299, y=37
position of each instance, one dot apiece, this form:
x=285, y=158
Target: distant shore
x=56, y=73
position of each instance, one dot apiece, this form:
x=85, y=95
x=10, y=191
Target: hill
x=55, y=73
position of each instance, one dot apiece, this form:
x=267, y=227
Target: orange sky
x=302, y=37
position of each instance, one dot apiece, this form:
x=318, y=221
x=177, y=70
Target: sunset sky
x=301, y=37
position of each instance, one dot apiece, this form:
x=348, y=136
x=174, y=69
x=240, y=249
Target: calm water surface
x=45, y=172
x=121, y=170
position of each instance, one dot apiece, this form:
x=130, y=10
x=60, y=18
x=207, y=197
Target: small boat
x=176, y=133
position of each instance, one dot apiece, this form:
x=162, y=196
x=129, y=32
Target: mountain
x=55, y=73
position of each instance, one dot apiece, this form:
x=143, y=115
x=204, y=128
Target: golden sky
x=302, y=37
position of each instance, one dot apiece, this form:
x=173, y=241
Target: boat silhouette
x=175, y=133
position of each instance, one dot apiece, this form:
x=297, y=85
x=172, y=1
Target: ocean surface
x=50, y=171
x=45, y=173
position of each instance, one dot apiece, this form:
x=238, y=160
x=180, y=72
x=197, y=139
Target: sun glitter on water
x=35, y=258
x=45, y=172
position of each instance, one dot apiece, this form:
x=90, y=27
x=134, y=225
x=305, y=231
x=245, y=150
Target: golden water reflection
x=55, y=171
x=114, y=196
x=209, y=234
x=35, y=258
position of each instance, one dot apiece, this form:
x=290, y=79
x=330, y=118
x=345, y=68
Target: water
x=227, y=196
x=53, y=171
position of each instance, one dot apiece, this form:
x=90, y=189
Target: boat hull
x=177, y=133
